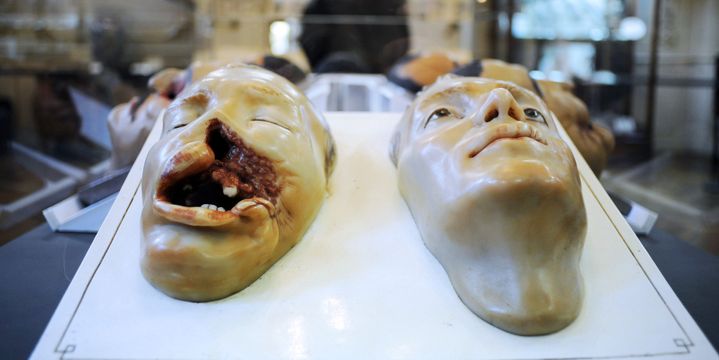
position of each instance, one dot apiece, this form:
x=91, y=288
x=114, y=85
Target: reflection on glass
x=567, y=19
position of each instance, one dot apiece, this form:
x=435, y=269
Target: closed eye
x=184, y=111
x=273, y=123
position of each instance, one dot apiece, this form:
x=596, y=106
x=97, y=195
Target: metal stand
x=652, y=83
x=712, y=186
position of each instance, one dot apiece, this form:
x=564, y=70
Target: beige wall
x=437, y=25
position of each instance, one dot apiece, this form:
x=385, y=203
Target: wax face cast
x=171, y=81
x=129, y=124
x=496, y=196
x=234, y=182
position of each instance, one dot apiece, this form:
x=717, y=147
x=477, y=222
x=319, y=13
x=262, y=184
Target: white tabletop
x=361, y=284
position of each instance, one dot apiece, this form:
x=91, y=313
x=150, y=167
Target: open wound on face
x=235, y=173
x=217, y=211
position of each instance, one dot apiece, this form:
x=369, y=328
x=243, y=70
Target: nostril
x=491, y=115
x=217, y=140
x=513, y=114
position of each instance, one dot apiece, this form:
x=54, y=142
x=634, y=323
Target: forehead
x=472, y=88
x=257, y=87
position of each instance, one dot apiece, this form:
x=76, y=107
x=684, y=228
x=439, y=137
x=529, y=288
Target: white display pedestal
x=361, y=285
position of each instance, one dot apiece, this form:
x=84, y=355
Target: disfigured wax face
x=496, y=196
x=234, y=182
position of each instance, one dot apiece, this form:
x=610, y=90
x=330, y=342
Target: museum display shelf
x=361, y=284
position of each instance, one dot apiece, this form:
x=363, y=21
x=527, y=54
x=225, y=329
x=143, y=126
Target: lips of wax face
x=234, y=182
x=496, y=196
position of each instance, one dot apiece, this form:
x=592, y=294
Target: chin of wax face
x=233, y=183
x=496, y=196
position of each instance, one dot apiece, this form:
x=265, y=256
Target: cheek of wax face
x=234, y=182
x=496, y=196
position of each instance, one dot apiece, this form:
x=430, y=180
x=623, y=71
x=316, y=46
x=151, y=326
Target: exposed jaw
x=515, y=130
x=216, y=182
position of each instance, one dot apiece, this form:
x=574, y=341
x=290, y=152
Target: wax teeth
x=212, y=207
x=230, y=191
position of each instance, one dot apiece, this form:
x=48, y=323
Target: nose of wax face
x=500, y=104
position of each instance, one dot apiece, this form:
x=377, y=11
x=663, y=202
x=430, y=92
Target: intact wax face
x=235, y=180
x=496, y=195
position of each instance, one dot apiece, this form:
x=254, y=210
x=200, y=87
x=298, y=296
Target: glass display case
x=82, y=83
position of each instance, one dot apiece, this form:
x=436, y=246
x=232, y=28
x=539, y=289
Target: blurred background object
x=349, y=36
x=415, y=71
x=63, y=65
x=594, y=141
